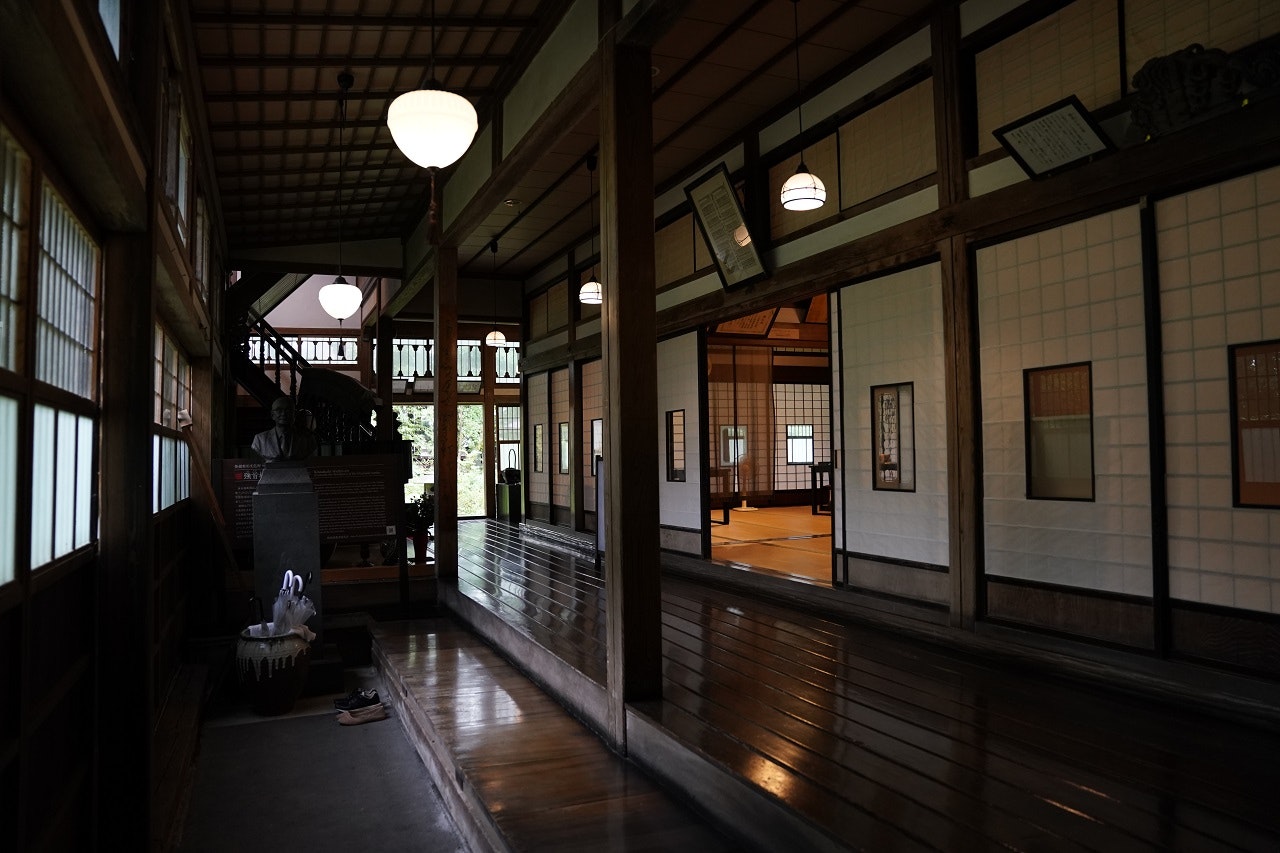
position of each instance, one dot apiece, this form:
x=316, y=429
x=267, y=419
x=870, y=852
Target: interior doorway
x=769, y=441
x=416, y=425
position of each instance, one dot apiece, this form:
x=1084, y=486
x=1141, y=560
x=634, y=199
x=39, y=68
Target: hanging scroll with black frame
x=724, y=227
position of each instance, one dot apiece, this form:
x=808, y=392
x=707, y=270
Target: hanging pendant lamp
x=495, y=338
x=591, y=293
x=432, y=126
x=341, y=299
x=803, y=190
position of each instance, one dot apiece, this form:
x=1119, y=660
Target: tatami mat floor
x=788, y=540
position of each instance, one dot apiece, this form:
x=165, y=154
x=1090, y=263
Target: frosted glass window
x=62, y=450
x=184, y=176
x=66, y=308
x=168, y=463
x=156, y=474
x=183, y=464
x=65, y=489
x=84, y=479
x=799, y=444
x=44, y=433
x=506, y=364
x=8, y=485
x=14, y=169
x=172, y=379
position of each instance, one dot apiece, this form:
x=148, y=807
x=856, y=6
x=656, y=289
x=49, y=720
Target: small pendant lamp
x=341, y=299
x=592, y=293
x=803, y=190
x=495, y=338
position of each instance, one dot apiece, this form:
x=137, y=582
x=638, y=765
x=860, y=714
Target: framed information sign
x=1049, y=140
x=724, y=227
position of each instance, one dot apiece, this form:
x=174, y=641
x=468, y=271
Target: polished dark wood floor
x=882, y=742
x=531, y=777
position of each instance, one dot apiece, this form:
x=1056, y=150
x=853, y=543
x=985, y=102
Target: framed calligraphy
x=1054, y=138
x=724, y=227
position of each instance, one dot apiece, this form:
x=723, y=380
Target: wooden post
x=446, y=411
x=629, y=349
x=125, y=566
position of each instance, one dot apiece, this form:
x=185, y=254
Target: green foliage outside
x=416, y=426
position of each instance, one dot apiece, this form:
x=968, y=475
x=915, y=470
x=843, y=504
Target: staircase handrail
x=280, y=344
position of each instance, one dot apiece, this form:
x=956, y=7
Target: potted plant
x=419, y=515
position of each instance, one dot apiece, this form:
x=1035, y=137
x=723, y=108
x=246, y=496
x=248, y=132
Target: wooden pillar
x=446, y=411
x=577, y=509
x=488, y=383
x=949, y=96
x=386, y=332
x=124, y=576
x=629, y=349
x=963, y=430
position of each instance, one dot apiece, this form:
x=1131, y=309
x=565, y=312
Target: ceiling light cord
x=495, y=338
x=795, y=19
x=342, y=158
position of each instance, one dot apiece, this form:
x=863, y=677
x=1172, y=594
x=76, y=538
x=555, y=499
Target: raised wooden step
x=519, y=772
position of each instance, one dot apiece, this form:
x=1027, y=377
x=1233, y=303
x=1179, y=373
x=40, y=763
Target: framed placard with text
x=724, y=227
x=1054, y=138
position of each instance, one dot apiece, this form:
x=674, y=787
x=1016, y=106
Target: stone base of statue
x=286, y=534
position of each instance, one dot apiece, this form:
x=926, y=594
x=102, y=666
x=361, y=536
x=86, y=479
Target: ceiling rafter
x=322, y=61
x=272, y=19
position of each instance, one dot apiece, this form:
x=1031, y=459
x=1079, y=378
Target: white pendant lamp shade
x=341, y=299
x=803, y=191
x=432, y=127
x=495, y=339
x=591, y=293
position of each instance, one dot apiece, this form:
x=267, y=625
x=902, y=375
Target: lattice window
x=15, y=170
x=62, y=449
x=67, y=302
x=799, y=444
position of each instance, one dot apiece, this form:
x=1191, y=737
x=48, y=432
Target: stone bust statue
x=287, y=440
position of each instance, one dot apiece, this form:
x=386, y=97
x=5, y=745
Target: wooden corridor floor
x=518, y=772
x=867, y=740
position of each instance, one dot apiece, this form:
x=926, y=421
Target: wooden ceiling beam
x=442, y=63
x=456, y=22
x=294, y=150
x=310, y=97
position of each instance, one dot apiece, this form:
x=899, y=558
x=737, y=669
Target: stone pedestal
x=286, y=535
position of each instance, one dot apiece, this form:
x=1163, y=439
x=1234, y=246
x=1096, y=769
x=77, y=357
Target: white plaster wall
x=680, y=504
x=538, y=413
x=892, y=331
x=1219, y=251
x=1066, y=295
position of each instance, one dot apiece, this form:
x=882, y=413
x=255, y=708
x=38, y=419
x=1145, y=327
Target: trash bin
x=509, y=507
